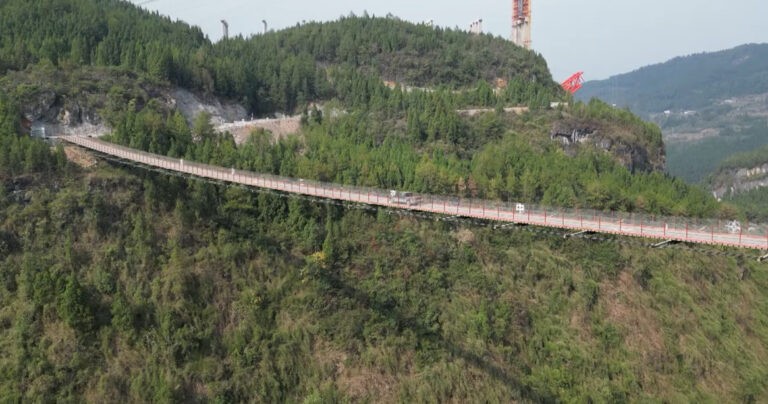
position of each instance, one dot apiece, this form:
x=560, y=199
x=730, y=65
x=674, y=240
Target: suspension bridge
x=664, y=229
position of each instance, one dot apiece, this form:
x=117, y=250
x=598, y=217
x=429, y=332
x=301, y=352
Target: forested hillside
x=268, y=73
x=686, y=83
x=123, y=284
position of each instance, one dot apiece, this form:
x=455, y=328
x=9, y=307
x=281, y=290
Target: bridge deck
x=664, y=228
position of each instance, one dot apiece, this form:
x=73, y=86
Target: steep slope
x=124, y=285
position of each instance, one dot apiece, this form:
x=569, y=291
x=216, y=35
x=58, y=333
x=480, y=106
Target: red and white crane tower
x=521, y=23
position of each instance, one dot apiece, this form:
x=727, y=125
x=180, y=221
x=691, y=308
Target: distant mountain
x=709, y=105
x=686, y=83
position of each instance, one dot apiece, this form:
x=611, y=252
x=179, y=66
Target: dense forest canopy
x=269, y=73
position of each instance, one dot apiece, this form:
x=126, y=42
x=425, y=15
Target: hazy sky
x=599, y=37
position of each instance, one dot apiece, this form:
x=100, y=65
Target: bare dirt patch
x=80, y=157
x=361, y=383
x=221, y=111
x=279, y=127
x=464, y=236
x=625, y=307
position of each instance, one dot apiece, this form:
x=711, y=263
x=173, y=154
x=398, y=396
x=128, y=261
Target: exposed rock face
x=49, y=113
x=735, y=181
x=633, y=155
x=190, y=105
x=41, y=107
x=570, y=134
x=279, y=127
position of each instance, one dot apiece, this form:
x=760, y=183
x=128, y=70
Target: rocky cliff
x=733, y=181
x=629, y=146
x=81, y=101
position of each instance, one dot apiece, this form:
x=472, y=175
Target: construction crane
x=573, y=84
x=521, y=23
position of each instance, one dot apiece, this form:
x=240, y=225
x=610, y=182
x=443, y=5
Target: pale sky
x=599, y=37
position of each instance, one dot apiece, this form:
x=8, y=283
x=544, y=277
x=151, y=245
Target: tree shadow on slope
x=390, y=309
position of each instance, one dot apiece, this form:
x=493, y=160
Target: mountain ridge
x=686, y=82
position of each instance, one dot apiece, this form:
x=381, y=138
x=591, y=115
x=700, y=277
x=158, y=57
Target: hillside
x=123, y=284
x=307, y=64
x=267, y=73
x=687, y=83
x=708, y=105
